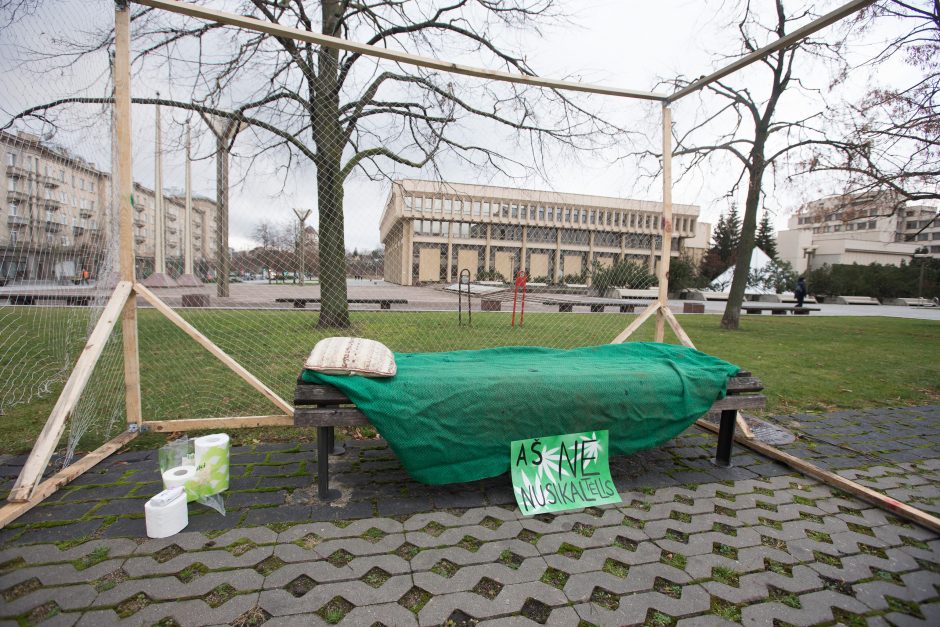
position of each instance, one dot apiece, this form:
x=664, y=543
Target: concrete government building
x=432, y=230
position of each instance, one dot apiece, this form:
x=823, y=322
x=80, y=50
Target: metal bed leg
x=324, y=446
x=725, y=438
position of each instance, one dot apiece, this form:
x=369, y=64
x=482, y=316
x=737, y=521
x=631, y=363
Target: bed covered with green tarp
x=451, y=416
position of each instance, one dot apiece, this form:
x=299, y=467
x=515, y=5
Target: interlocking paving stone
x=767, y=544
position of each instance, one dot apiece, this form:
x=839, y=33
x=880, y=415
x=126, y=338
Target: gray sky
x=614, y=42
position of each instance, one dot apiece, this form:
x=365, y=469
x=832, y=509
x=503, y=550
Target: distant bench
x=383, y=303
x=596, y=304
x=81, y=300
x=777, y=309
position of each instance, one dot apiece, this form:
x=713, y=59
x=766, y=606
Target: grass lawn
x=806, y=363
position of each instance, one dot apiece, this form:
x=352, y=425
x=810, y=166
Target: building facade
x=433, y=230
x=57, y=220
x=858, y=228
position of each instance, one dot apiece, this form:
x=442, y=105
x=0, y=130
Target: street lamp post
x=302, y=215
x=920, y=282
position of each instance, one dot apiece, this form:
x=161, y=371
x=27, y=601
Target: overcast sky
x=630, y=44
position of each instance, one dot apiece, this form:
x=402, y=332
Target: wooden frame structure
x=30, y=489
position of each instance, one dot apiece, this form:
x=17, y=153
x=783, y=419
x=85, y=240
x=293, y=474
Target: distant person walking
x=800, y=291
x=85, y=276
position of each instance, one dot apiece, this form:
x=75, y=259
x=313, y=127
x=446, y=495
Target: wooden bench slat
x=313, y=394
x=743, y=401
x=742, y=383
x=329, y=417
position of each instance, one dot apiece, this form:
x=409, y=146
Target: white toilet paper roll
x=177, y=476
x=166, y=513
x=206, y=443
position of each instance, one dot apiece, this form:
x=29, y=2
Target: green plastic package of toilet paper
x=200, y=466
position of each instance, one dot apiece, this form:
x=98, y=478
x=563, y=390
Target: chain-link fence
x=286, y=192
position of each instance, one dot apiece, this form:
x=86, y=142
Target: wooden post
x=123, y=177
x=637, y=323
x=49, y=437
x=666, y=223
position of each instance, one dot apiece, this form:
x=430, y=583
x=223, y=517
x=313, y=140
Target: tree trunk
x=732, y=316
x=327, y=134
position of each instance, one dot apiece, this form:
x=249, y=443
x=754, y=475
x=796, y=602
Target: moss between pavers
x=335, y=610
x=782, y=596
x=615, y=568
x=725, y=609
x=774, y=543
x=192, y=572
x=407, y=550
x=626, y=543
x=167, y=553
x=727, y=576
x=252, y=618
x=21, y=589
x=219, y=595
x=605, y=598
x=529, y=536
x=655, y=618
x=415, y=599
x=240, y=547
x=490, y=589
x=676, y=560
x=268, y=565
x=778, y=567
x=41, y=613
x=555, y=577
x=510, y=559
x=904, y=607
x=669, y=588
x=843, y=587
x=11, y=565
x=373, y=535
x=445, y=568
x=110, y=580
x=97, y=556
x=376, y=577
x=470, y=543
x=340, y=558
x=132, y=605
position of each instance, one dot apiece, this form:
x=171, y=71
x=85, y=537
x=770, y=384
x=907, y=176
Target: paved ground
x=261, y=294
x=691, y=543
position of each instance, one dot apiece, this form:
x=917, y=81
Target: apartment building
x=433, y=230
x=858, y=228
x=56, y=219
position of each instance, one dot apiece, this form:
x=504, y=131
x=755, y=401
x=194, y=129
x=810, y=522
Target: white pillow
x=351, y=356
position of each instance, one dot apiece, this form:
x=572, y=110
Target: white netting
x=329, y=194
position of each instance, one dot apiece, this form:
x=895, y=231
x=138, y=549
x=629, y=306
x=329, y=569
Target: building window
x=11, y=159
x=550, y=214
x=515, y=211
x=911, y=224
x=14, y=208
x=836, y=228
x=448, y=206
x=922, y=237
x=871, y=224
x=81, y=184
x=610, y=218
x=593, y=216
x=541, y=213
x=476, y=208
x=577, y=216
x=437, y=205
x=409, y=202
x=14, y=234
x=532, y=213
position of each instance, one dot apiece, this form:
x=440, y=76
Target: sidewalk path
x=691, y=543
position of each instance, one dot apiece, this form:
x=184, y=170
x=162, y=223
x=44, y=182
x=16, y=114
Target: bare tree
x=755, y=137
x=889, y=140
x=347, y=112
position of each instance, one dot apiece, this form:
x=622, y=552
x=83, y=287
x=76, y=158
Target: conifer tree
x=765, y=239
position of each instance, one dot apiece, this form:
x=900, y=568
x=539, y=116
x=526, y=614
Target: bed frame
x=325, y=407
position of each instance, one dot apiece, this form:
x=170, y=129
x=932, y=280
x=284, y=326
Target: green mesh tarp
x=450, y=417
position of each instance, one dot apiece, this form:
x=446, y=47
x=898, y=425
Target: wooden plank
x=676, y=327
x=636, y=324
x=234, y=422
x=12, y=511
x=663, y=273
x=779, y=44
x=741, y=401
x=832, y=479
x=744, y=384
x=123, y=178
x=45, y=445
x=312, y=394
x=329, y=416
x=270, y=28
x=221, y=355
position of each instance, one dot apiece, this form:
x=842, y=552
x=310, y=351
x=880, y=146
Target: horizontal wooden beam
x=234, y=422
x=788, y=40
x=329, y=417
x=832, y=479
x=48, y=438
x=270, y=28
x=12, y=511
x=740, y=401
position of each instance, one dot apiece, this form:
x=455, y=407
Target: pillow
x=351, y=356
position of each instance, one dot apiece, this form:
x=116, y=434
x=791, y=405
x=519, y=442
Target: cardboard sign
x=561, y=472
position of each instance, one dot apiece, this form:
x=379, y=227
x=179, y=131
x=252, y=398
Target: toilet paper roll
x=212, y=460
x=166, y=513
x=177, y=476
